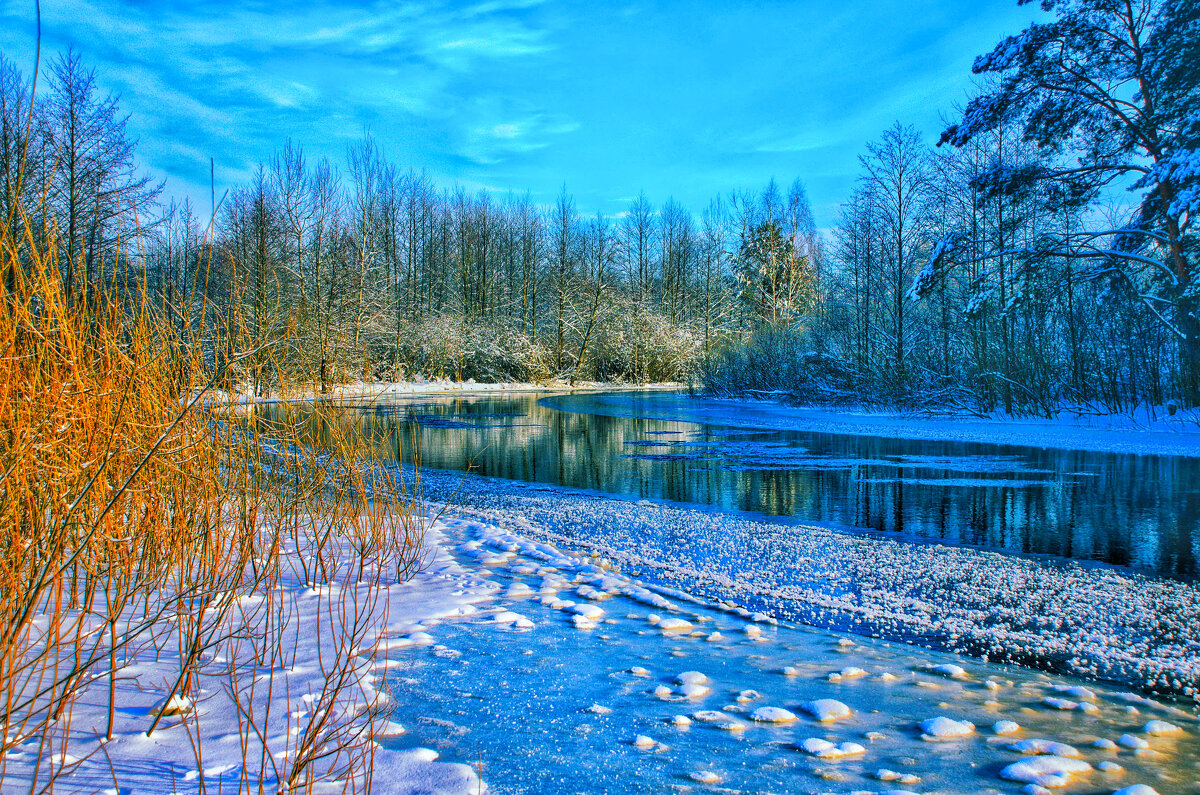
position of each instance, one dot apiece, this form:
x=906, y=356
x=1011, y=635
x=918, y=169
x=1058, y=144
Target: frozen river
x=598, y=523
x=1136, y=511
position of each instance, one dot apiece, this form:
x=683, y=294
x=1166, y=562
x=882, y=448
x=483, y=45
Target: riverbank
x=560, y=640
x=358, y=393
x=1118, y=433
x=364, y=392
x=579, y=676
x=287, y=690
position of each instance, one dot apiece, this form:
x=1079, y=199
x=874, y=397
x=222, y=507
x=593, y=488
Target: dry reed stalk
x=132, y=522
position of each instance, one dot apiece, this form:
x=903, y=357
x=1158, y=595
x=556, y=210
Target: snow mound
x=1033, y=747
x=176, y=705
x=509, y=618
x=720, y=720
x=390, y=729
x=773, y=715
x=826, y=709
x=949, y=670
x=1075, y=691
x=943, y=728
x=587, y=611
x=1004, y=727
x=1045, y=771
x=1161, y=728
x=883, y=774
x=673, y=625
x=824, y=749
x=851, y=672
x=709, y=716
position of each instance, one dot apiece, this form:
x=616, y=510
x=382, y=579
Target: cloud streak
x=682, y=98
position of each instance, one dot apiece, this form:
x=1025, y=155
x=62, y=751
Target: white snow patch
x=1045, y=771
x=943, y=728
x=827, y=750
x=826, y=709
x=773, y=715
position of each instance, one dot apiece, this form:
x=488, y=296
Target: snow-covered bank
x=1179, y=436
x=360, y=392
x=563, y=671
x=1091, y=620
x=383, y=391
x=577, y=677
x=279, y=700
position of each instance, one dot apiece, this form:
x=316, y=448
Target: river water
x=556, y=708
x=1136, y=511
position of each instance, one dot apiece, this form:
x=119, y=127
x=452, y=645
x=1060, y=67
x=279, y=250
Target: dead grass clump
x=136, y=526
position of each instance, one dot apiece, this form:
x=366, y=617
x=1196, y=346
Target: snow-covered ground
x=288, y=708
x=361, y=392
x=552, y=667
x=1087, y=619
x=382, y=391
x=576, y=677
x=1172, y=436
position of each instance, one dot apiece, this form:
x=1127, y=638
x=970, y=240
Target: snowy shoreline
x=627, y=682
x=358, y=393
x=1099, y=622
x=1105, y=433
x=476, y=565
x=260, y=708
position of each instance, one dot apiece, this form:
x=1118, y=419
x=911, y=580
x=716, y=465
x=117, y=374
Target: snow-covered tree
x=1109, y=92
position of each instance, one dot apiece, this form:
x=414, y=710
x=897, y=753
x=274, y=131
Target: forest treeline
x=319, y=272
x=999, y=270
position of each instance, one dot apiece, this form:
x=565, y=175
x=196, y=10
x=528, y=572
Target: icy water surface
x=589, y=695
x=1140, y=511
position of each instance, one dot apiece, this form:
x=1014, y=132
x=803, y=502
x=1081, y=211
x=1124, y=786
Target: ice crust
x=1039, y=761
x=1105, y=622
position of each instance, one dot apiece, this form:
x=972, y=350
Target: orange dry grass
x=129, y=518
x=108, y=482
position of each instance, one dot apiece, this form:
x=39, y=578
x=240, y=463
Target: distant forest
x=1040, y=257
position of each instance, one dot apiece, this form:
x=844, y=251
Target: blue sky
x=683, y=99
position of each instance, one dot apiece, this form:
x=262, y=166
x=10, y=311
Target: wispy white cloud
x=234, y=79
x=677, y=97
x=491, y=142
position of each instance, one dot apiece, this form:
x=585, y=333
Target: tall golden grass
x=132, y=518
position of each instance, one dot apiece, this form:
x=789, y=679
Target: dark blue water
x=1140, y=511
